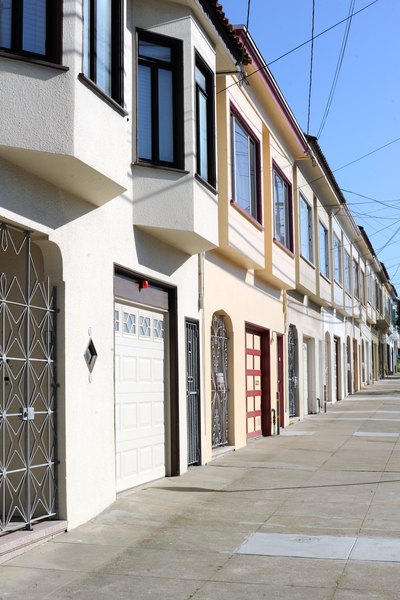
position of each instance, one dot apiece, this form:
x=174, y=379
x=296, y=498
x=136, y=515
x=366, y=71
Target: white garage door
x=139, y=395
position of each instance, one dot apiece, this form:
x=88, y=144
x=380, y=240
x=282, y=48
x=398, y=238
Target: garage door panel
x=139, y=396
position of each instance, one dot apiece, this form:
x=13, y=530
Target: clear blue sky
x=364, y=113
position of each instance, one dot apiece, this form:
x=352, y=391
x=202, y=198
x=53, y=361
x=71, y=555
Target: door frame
x=280, y=376
x=264, y=333
x=128, y=285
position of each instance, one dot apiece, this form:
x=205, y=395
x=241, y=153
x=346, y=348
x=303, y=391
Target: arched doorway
x=219, y=381
x=28, y=396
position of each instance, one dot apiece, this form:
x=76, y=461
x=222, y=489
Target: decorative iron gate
x=219, y=381
x=327, y=370
x=192, y=391
x=28, y=386
x=292, y=371
x=348, y=366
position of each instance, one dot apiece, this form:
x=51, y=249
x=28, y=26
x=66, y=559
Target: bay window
x=306, y=229
x=323, y=250
x=102, y=46
x=32, y=29
x=282, y=208
x=245, y=167
x=159, y=99
x=205, y=146
x=347, y=272
x=337, y=259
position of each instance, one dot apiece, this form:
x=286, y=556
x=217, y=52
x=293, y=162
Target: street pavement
x=313, y=514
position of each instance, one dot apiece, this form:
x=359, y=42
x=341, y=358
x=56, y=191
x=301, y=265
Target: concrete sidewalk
x=311, y=515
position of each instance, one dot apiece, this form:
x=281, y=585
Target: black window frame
x=237, y=117
x=176, y=46
x=53, y=54
x=209, y=94
x=117, y=47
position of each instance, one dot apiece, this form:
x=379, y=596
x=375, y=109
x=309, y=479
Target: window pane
x=103, y=46
x=86, y=37
x=202, y=128
x=347, y=274
x=5, y=24
x=34, y=26
x=280, y=192
x=322, y=250
x=337, y=259
x=242, y=167
x=304, y=228
x=253, y=199
x=149, y=50
x=144, y=112
x=200, y=79
x=165, y=116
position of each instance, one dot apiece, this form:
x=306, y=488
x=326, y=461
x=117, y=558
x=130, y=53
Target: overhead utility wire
x=338, y=67
x=301, y=45
x=311, y=67
x=350, y=163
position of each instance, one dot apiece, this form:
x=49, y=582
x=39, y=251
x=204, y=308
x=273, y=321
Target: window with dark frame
x=103, y=46
x=306, y=229
x=362, y=287
x=337, y=258
x=323, y=250
x=282, y=209
x=205, y=145
x=245, y=167
x=32, y=29
x=356, y=291
x=159, y=99
x=347, y=272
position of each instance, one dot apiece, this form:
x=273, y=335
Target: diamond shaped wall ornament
x=90, y=355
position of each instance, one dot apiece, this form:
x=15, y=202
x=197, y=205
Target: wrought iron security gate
x=292, y=372
x=219, y=381
x=28, y=386
x=192, y=391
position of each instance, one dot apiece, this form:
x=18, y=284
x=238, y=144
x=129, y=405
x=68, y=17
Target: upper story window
x=337, y=258
x=103, y=46
x=205, y=145
x=159, y=100
x=283, y=208
x=31, y=28
x=245, y=167
x=356, y=291
x=369, y=285
x=362, y=287
x=373, y=292
x=378, y=299
x=347, y=272
x=306, y=230
x=323, y=250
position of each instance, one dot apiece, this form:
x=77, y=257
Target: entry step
x=17, y=542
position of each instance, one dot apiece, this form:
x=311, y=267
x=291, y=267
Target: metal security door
x=28, y=490
x=219, y=382
x=192, y=391
x=292, y=372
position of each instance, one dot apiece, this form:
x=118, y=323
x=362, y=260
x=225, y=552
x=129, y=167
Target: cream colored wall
x=243, y=298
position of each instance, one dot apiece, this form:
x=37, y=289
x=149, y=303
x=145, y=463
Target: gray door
x=192, y=392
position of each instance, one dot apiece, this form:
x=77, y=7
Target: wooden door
x=253, y=384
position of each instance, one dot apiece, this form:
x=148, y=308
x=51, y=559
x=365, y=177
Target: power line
x=338, y=68
x=264, y=67
x=311, y=67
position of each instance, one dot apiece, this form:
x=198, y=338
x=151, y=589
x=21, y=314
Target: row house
x=109, y=197
x=179, y=271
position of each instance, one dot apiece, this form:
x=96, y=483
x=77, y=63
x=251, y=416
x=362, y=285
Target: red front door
x=253, y=384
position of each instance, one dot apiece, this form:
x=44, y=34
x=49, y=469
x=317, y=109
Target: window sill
x=33, y=61
x=246, y=215
x=206, y=184
x=338, y=283
x=326, y=278
x=82, y=77
x=282, y=247
x=160, y=167
x=349, y=295
x=308, y=262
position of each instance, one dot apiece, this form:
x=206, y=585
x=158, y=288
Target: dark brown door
x=280, y=378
